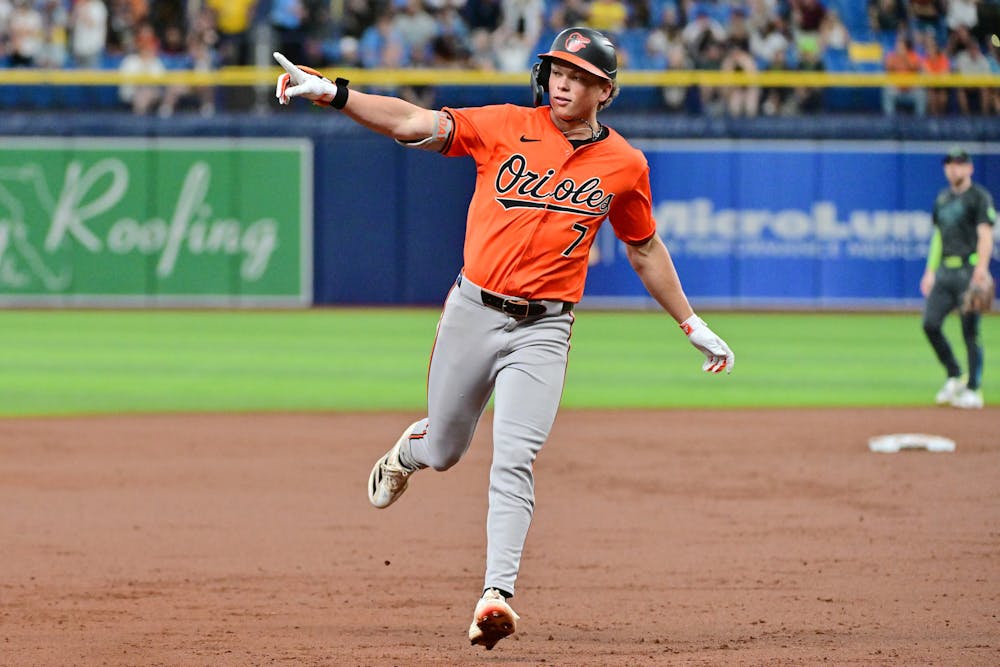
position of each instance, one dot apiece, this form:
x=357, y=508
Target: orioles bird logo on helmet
x=575, y=42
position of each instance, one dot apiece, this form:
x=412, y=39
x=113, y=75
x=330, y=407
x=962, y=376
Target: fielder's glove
x=302, y=81
x=979, y=297
x=718, y=356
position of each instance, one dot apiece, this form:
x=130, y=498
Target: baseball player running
x=958, y=260
x=547, y=178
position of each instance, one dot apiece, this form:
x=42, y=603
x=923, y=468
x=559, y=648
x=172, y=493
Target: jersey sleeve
x=474, y=127
x=631, y=214
x=985, y=211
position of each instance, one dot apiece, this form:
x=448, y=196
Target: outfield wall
x=304, y=208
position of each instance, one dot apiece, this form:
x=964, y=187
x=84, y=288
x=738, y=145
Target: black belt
x=517, y=308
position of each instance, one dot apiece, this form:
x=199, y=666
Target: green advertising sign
x=156, y=221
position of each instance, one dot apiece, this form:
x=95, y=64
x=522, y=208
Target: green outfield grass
x=81, y=361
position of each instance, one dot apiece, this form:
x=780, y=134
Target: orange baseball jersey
x=538, y=203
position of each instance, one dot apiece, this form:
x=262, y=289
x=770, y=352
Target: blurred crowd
x=149, y=36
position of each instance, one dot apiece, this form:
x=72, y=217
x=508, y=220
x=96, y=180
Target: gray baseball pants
x=480, y=351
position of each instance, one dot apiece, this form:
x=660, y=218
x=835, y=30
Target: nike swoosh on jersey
x=525, y=139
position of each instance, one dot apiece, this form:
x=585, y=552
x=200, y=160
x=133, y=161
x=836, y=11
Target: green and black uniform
x=953, y=255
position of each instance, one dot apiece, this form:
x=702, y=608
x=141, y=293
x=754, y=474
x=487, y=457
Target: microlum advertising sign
x=156, y=221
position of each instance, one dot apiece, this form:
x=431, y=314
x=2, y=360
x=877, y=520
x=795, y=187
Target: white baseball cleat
x=390, y=477
x=952, y=388
x=493, y=620
x=970, y=399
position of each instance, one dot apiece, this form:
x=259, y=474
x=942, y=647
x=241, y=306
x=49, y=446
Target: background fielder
x=547, y=179
x=958, y=260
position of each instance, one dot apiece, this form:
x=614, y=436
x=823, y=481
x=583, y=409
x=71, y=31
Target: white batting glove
x=718, y=356
x=302, y=81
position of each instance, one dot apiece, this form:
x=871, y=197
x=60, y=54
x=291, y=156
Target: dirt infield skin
x=767, y=537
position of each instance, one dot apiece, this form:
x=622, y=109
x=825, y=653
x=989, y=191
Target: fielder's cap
x=958, y=155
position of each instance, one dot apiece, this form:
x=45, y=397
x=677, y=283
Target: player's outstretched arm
x=390, y=116
x=652, y=263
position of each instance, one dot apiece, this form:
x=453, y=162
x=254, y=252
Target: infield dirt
x=757, y=537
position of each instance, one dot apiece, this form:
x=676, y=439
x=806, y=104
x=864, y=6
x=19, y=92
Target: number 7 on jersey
x=580, y=229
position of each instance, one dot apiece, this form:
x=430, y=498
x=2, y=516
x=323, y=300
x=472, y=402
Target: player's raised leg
x=459, y=383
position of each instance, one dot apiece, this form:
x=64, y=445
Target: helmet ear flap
x=540, y=79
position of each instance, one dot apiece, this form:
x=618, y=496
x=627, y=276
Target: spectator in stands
x=348, y=52
x=358, y=16
x=886, y=17
x=513, y=50
x=676, y=97
x=766, y=46
x=971, y=61
x=450, y=46
x=138, y=10
x=958, y=40
x=143, y=98
x=653, y=55
x=701, y=32
x=204, y=29
x=740, y=100
x=197, y=53
x=90, y=32
x=903, y=60
x=670, y=25
x=287, y=19
x=778, y=100
x=807, y=17
x=382, y=45
x=173, y=47
x=739, y=30
x=27, y=31
x=125, y=17
x=640, y=14
x=6, y=9
x=564, y=13
x=198, y=56
x=483, y=15
x=654, y=52
x=608, y=16
x=55, y=20
x=809, y=99
x=993, y=58
x=481, y=45
x=713, y=100
x=233, y=20
x=961, y=14
x=417, y=28
x=928, y=15
x=525, y=18
x=760, y=13
x=935, y=61
x=833, y=33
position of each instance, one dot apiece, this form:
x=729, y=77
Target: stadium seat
x=836, y=60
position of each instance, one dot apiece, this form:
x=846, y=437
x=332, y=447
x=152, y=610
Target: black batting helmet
x=586, y=48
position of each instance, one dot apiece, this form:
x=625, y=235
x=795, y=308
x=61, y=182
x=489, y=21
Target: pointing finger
x=286, y=63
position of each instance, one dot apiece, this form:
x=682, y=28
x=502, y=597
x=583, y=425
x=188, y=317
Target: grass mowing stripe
x=80, y=361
